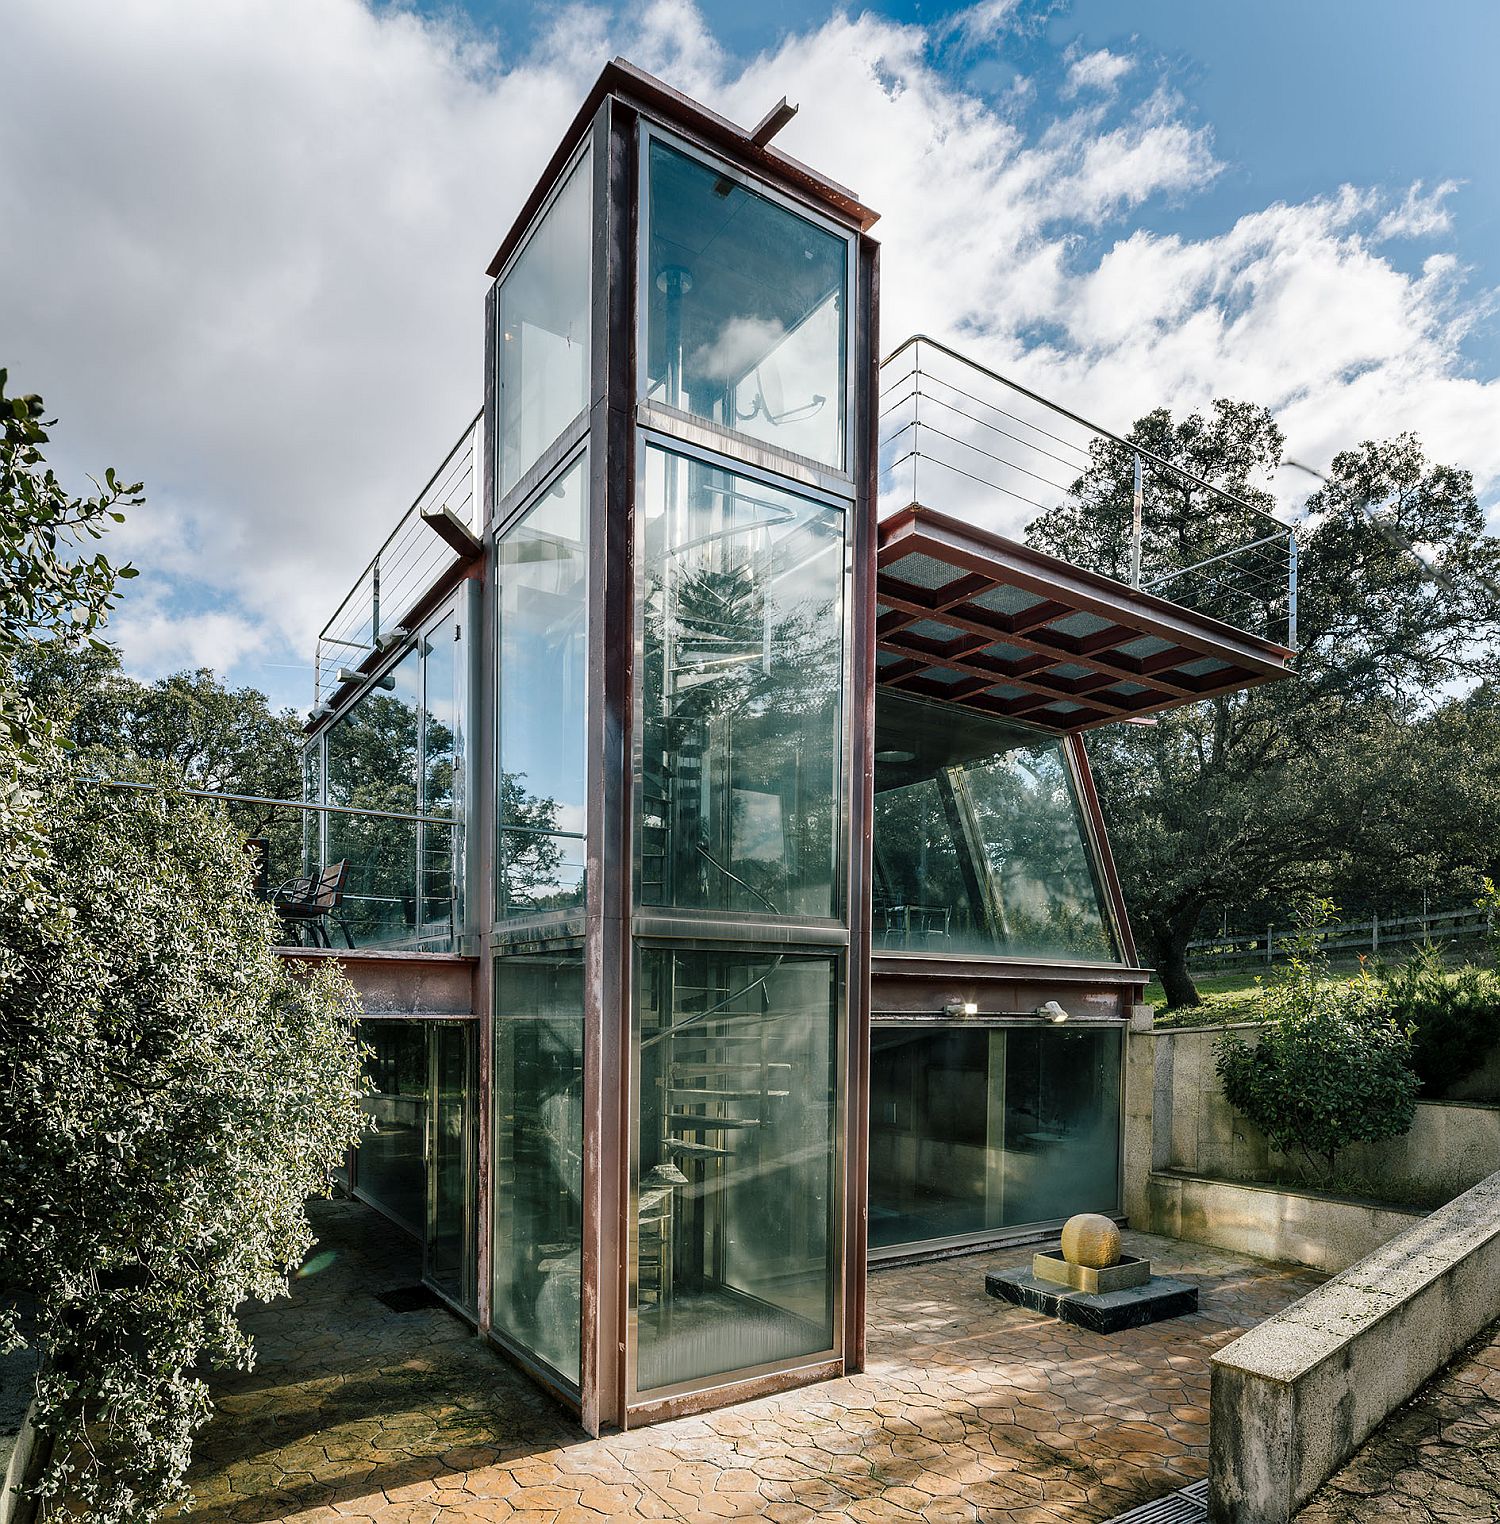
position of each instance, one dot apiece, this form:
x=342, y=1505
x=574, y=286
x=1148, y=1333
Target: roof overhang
x=972, y=618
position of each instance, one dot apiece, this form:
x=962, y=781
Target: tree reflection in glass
x=742, y=586
x=979, y=840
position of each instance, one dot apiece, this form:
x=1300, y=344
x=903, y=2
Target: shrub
x=1454, y=1017
x=1329, y=1069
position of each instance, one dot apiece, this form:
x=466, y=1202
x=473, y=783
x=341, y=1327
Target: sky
x=244, y=243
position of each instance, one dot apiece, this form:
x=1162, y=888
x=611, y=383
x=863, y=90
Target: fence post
x=1269, y=930
x=1374, y=934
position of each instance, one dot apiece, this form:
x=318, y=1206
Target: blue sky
x=245, y=250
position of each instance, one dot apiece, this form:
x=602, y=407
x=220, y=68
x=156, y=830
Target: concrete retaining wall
x=1295, y=1397
x=1194, y=1130
x=1326, y=1232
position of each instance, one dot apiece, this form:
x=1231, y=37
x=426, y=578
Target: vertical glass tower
x=680, y=374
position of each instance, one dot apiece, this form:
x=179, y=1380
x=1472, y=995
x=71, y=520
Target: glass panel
x=372, y=764
x=544, y=331
x=979, y=842
x=538, y=1155
x=745, y=318
x=389, y=1170
x=450, y=1243
x=743, y=592
x=975, y=1129
x=442, y=778
x=312, y=820
x=737, y=1193
x=543, y=594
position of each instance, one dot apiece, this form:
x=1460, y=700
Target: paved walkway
x=1438, y=1458
x=970, y=1410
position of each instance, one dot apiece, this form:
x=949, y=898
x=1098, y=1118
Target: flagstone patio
x=970, y=1409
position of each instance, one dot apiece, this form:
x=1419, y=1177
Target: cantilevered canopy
x=973, y=618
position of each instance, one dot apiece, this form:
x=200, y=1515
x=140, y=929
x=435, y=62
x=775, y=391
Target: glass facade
x=544, y=330
x=537, y=1172
x=975, y=1129
x=391, y=1170
x=979, y=841
x=745, y=309
x=742, y=588
x=400, y=747
x=736, y=1181
x=453, y=1163
x=542, y=585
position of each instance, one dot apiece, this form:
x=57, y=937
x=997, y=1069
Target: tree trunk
x=1172, y=969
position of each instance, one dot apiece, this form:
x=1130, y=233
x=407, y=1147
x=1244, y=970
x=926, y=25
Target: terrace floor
x=970, y=1409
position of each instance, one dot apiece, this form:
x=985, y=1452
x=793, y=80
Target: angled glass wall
x=980, y=847
x=537, y=1156
x=544, y=330
x=975, y=1129
x=741, y=695
x=745, y=308
x=542, y=586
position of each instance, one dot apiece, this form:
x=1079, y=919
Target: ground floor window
x=391, y=1172
x=977, y=1129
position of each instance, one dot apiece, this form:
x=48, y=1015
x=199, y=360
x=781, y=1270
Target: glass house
x=747, y=835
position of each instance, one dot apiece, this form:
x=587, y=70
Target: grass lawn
x=1226, y=997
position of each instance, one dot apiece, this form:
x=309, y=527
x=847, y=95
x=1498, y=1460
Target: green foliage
x=1329, y=1069
x=1454, y=1016
x=1333, y=777
x=173, y=1096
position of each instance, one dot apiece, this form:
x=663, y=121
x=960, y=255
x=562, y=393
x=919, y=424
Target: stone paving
x=970, y=1410
x=1438, y=1458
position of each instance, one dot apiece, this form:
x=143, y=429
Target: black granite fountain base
x=1103, y=1312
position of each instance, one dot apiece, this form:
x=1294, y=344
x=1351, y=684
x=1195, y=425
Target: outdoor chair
x=309, y=901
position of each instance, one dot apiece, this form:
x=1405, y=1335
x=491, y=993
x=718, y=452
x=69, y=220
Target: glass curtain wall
x=980, y=847
x=544, y=330
x=391, y=1164
x=976, y=1129
x=742, y=587
x=537, y=1154
x=542, y=576
x=401, y=747
x=745, y=309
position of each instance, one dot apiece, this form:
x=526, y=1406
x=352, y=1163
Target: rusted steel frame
x=1046, y=576
x=990, y=676
x=915, y=990
x=968, y=696
x=865, y=429
x=483, y=784
x=636, y=89
x=976, y=621
x=1094, y=819
x=660, y=1409
x=609, y=784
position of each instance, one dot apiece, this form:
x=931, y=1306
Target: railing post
x=375, y=602
x=1291, y=590
x=1137, y=512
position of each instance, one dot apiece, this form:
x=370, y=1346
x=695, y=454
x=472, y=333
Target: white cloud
x=245, y=257
x=1101, y=70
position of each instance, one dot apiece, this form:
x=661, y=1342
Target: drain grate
x=1190, y=1506
x=409, y=1299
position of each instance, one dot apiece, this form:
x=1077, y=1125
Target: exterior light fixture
x=1053, y=1012
x=960, y=1008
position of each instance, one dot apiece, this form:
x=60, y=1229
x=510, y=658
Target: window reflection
x=979, y=844
x=736, y=1190
x=974, y=1129
x=390, y=1169
x=745, y=312
x=741, y=711
x=544, y=331
x=537, y=1182
x=542, y=572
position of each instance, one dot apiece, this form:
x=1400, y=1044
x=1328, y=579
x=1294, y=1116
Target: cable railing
x=965, y=440
x=347, y=876
x=413, y=557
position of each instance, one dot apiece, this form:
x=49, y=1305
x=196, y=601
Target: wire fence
x=402, y=571
x=1466, y=931
x=965, y=440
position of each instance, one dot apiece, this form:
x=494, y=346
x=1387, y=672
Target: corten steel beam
x=918, y=987
x=398, y=984
x=982, y=561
